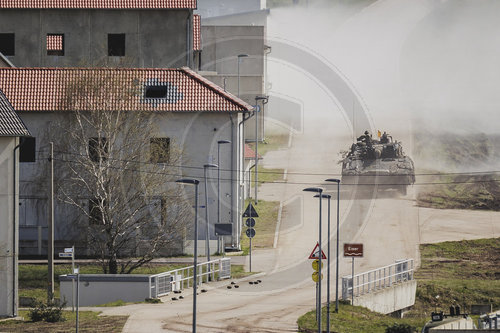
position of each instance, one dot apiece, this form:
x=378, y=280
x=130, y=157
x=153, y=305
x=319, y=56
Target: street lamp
x=194, y=182
x=337, y=263
x=239, y=60
x=220, y=142
x=327, y=196
x=207, y=222
x=264, y=99
x=318, y=304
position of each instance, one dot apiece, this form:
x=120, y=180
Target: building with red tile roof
x=189, y=112
x=76, y=33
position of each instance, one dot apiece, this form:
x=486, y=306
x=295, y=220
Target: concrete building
x=11, y=129
x=233, y=12
x=193, y=112
x=60, y=33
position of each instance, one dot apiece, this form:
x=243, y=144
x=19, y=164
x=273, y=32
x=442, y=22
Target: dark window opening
x=7, y=44
x=156, y=92
x=95, y=211
x=27, y=149
x=55, y=44
x=116, y=45
x=98, y=149
x=160, y=150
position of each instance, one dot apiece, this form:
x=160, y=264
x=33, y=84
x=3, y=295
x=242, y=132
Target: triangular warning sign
x=315, y=253
x=250, y=211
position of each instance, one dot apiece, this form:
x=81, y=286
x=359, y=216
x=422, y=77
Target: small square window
x=27, y=150
x=7, y=44
x=55, y=44
x=98, y=149
x=116, y=45
x=160, y=150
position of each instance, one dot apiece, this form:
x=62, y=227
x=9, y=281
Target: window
x=95, y=211
x=116, y=45
x=156, y=91
x=160, y=150
x=7, y=44
x=55, y=44
x=98, y=149
x=27, y=149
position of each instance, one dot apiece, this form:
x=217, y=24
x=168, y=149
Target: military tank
x=379, y=162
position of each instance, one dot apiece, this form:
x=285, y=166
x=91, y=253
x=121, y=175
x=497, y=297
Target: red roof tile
x=59, y=89
x=196, y=32
x=100, y=4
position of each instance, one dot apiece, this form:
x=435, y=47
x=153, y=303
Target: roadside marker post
x=353, y=250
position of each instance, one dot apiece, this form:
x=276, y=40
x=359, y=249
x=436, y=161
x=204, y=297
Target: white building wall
x=195, y=133
x=8, y=237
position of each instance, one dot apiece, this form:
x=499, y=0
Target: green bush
x=51, y=312
x=400, y=328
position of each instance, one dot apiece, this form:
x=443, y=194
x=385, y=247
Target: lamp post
x=207, y=220
x=318, y=304
x=337, y=263
x=327, y=196
x=194, y=182
x=239, y=60
x=220, y=142
x=264, y=100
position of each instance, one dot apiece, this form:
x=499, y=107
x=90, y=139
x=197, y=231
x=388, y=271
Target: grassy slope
x=464, y=273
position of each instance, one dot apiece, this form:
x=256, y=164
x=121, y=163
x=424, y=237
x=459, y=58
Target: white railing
x=178, y=279
x=380, y=278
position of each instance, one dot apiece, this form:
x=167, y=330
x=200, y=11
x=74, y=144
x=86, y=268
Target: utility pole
x=50, y=240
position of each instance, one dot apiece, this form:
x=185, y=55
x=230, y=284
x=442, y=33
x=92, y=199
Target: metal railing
x=376, y=279
x=178, y=279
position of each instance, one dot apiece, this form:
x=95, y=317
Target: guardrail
x=178, y=279
x=376, y=279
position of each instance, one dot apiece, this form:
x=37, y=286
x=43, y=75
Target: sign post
x=317, y=276
x=70, y=252
x=250, y=213
x=353, y=250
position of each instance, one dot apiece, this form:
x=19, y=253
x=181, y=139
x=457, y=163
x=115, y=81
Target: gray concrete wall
x=8, y=268
x=211, y=8
x=154, y=38
x=389, y=300
x=195, y=133
x=455, y=326
x=99, y=289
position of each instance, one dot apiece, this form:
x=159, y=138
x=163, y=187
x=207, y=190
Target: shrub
x=51, y=312
x=400, y=328
x=153, y=300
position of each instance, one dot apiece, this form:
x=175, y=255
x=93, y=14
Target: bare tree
x=116, y=173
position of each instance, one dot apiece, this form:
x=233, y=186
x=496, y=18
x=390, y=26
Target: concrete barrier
x=399, y=296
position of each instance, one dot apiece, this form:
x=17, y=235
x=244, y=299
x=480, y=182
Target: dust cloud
x=427, y=71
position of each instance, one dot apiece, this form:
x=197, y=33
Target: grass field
x=88, y=322
x=265, y=226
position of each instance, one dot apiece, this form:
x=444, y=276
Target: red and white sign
x=315, y=253
x=353, y=250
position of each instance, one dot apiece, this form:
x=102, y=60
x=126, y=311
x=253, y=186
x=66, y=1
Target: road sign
x=223, y=229
x=315, y=253
x=315, y=276
x=250, y=211
x=65, y=255
x=250, y=232
x=315, y=265
x=68, y=250
x=250, y=222
x=353, y=250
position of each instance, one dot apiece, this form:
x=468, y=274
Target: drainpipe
x=233, y=183
x=14, y=244
x=189, y=39
x=241, y=172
